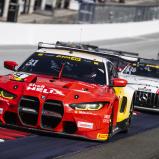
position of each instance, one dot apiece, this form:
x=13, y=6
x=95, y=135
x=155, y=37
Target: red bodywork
x=42, y=102
x=46, y=103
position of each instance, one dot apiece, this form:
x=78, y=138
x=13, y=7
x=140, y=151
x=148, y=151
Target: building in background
x=48, y=4
x=1, y=7
x=25, y=6
x=29, y=6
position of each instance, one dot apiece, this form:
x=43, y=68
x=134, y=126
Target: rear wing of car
x=117, y=57
x=88, y=48
x=148, y=61
x=69, y=46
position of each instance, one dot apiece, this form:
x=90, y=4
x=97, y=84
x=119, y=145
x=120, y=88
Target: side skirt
x=120, y=127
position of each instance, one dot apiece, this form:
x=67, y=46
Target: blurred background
x=78, y=11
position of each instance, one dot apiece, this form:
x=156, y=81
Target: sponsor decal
x=42, y=89
x=40, y=54
x=72, y=58
x=106, y=116
x=153, y=66
x=86, y=125
x=1, y=110
x=106, y=119
x=84, y=112
x=19, y=76
x=102, y=136
x=144, y=89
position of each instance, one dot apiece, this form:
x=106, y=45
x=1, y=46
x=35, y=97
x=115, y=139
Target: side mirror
x=118, y=82
x=10, y=65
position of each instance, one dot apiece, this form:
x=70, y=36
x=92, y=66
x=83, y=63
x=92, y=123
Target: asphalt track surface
x=142, y=141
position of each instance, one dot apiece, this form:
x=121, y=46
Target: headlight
x=88, y=106
x=6, y=94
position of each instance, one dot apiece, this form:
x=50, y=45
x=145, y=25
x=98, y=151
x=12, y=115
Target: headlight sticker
x=4, y=100
x=6, y=94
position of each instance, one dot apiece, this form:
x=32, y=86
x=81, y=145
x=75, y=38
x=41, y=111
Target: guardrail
x=107, y=13
x=31, y=34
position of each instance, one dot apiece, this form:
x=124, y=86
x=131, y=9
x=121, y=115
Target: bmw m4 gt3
x=66, y=90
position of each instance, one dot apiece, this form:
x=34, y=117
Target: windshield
x=60, y=66
x=147, y=70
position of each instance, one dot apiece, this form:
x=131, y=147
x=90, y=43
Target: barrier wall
x=31, y=34
x=110, y=13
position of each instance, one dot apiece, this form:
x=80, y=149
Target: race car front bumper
x=90, y=124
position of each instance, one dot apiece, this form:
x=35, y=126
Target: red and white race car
x=66, y=90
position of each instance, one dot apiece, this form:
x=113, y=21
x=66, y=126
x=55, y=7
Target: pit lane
x=140, y=142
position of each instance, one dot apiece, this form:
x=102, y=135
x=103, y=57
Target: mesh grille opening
x=52, y=114
x=29, y=110
x=146, y=99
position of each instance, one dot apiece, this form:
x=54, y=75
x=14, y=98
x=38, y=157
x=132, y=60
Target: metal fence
x=106, y=13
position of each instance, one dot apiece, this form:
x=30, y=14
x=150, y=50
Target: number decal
x=32, y=62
